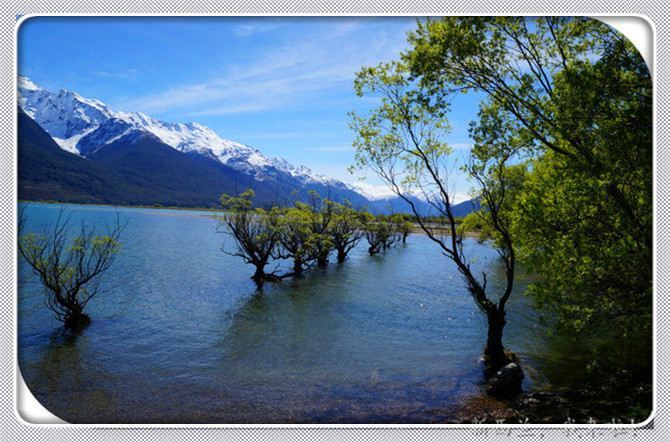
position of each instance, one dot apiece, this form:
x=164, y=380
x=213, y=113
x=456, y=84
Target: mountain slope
x=47, y=172
x=119, y=174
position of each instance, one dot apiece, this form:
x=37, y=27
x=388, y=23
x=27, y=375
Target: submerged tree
x=70, y=271
x=321, y=211
x=382, y=233
x=295, y=238
x=402, y=142
x=404, y=226
x=346, y=231
x=255, y=233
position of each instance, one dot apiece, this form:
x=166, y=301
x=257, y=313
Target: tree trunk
x=259, y=276
x=322, y=261
x=495, y=351
x=76, y=318
x=297, y=266
x=341, y=256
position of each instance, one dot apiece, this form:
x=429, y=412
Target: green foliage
x=255, y=232
x=241, y=203
x=320, y=212
x=405, y=132
x=476, y=222
x=382, y=232
x=346, y=230
x=70, y=273
x=295, y=238
x=575, y=97
x=562, y=156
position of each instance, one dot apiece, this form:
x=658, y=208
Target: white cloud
x=238, y=109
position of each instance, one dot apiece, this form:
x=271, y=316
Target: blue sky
x=283, y=85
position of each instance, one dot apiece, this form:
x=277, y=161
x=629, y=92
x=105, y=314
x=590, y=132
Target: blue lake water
x=180, y=333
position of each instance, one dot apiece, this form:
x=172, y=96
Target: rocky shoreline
x=547, y=407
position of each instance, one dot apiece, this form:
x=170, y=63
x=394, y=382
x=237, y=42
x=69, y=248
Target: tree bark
x=259, y=276
x=495, y=350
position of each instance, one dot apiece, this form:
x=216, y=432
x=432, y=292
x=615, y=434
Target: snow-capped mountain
x=65, y=115
x=82, y=126
x=133, y=158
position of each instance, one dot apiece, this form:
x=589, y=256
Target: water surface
x=181, y=334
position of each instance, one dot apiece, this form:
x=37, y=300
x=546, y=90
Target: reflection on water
x=180, y=333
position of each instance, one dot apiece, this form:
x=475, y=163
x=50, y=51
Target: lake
x=180, y=333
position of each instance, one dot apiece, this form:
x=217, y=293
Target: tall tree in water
x=321, y=212
x=295, y=238
x=69, y=270
x=346, y=231
x=402, y=141
x=255, y=232
x=382, y=232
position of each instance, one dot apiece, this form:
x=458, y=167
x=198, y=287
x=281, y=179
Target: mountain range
x=76, y=149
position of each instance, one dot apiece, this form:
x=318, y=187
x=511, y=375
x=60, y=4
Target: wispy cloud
x=287, y=74
x=122, y=74
x=238, y=109
x=289, y=135
x=341, y=148
x=249, y=29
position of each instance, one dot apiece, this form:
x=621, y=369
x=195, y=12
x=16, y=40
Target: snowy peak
x=26, y=84
x=65, y=115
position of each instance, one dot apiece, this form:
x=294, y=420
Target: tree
x=255, y=233
x=401, y=140
x=346, y=230
x=577, y=96
x=404, y=226
x=295, y=238
x=321, y=211
x=70, y=272
x=381, y=233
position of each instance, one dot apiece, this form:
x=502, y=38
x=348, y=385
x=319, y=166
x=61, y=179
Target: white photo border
x=14, y=428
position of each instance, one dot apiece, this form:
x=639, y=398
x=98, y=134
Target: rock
x=507, y=381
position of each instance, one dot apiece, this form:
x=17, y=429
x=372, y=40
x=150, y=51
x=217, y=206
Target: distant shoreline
x=128, y=206
x=416, y=229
